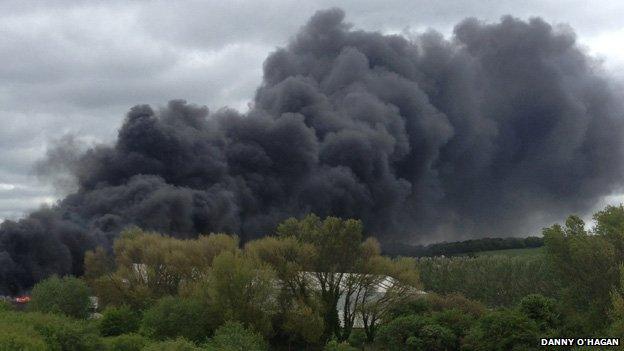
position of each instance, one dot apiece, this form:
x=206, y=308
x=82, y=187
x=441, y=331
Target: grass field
x=513, y=252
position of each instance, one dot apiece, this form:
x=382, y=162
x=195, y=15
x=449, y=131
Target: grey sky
x=77, y=67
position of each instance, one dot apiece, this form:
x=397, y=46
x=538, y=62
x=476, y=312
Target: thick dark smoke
x=422, y=138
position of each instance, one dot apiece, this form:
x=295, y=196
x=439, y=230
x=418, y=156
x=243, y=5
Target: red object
x=22, y=299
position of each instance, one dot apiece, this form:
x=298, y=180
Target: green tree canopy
x=501, y=331
x=587, y=264
x=119, y=320
x=179, y=344
x=68, y=295
x=240, y=288
x=149, y=265
x=173, y=317
x=233, y=336
x=338, y=262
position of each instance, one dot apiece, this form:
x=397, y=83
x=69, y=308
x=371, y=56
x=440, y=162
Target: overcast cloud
x=77, y=69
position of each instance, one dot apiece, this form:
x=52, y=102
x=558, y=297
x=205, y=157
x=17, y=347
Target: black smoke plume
x=422, y=138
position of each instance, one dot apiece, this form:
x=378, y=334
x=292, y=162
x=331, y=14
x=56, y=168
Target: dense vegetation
x=466, y=247
x=314, y=285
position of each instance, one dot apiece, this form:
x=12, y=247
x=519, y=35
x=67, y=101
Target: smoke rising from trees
x=421, y=138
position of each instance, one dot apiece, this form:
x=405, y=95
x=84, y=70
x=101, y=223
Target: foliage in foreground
x=67, y=295
x=233, y=336
x=119, y=320
x=55, y=332
x=282, y=292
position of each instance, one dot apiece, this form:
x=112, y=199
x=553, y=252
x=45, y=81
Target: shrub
x=455, y=301
x=119, y=320
x=16, y=338
x=334, y=345
x=540, y=309
x=179, y=344
x=69, y=296
x=5, y=306
x=232, y=336
x=303, y=323
x=126, y=342
x=55, y=331
x=415, y=333
x=69, y=336
x=502, y=330
x=416, y=305
x=455, y=320
x=174, y=317
x=357, y=338
x=393, y=335
x=242, y=289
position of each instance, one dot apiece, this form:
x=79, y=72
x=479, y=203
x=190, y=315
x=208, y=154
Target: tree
x=540, y=309
x=15, y=340
x=338, y=250
x=337, y=264
x=502, y=330
x=98, y=263
x=299, y=316
x=357, y=339
x=455, y=301
x=496, y=281
x=179, y=344
x=335, y=345
x=240, y=288
x=119, y=320
x=414, y=333
x=66, y=334
x=303, y=323
x=457, y=321
x=126, y=342
x=592, y=258
x=148, y=266
x=616, y=315
x=289, y=258
x=398, y=279
x=68, y=295
x=233, y=336
x=174, y=317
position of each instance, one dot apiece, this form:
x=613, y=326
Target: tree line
x=465, y=247
x=314, y=285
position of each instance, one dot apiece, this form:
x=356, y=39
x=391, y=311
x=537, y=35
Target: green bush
x=68, y=295
x=455, y=301
x=357, y=338
x=540, y=309
x=334, y=345
x=415, y=333
x=393, y=335
x=433, y=337
x=458, y=321
x=415, y=305
x=180, y=344
x=502, y=330
x=233, y=336
x=119, y=320
x=126, y=342
x=16, y=338
x=57, y=332
x=5, y=306
x=174, y=317
x=69, y=336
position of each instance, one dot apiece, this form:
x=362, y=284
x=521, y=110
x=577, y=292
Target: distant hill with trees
x=466, y=247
